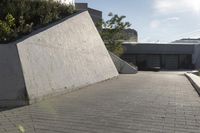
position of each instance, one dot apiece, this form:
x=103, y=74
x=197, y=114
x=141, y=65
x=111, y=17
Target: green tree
x=112, y=32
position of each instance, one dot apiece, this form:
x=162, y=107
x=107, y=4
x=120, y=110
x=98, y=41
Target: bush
x=7, y=28
x=19, y=17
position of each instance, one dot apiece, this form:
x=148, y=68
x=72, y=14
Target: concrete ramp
x=122, y=66
x=57, y=59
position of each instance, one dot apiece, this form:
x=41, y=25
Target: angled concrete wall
x=122, y=66
x=12, y=86
x=68, y=55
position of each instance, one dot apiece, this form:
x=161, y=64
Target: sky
x=155, y=20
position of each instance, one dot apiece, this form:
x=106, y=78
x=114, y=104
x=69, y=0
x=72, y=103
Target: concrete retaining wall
x=65, y=56
x=195, y=81
x=12, y=86
x=122, y=66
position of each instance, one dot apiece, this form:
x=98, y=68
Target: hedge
x=20, y=17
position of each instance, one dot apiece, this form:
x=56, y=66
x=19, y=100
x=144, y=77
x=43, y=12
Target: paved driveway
x=146, y=102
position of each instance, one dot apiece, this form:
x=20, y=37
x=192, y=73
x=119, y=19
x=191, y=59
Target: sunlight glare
x=195, y=5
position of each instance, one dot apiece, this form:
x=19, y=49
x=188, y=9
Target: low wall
x=195, y=81
x=122, y=66
x=12, y=86
x=64, y=56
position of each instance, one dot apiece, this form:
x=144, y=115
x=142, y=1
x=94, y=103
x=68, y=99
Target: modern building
x=95, y=14
x=188, y=40
x=132, y=35
x=165, y=56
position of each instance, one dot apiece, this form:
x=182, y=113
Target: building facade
x=131, y=34
x=95, y=14
x=188, y=40
x=165, y=56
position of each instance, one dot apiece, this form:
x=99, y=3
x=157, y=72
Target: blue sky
x=155, y=20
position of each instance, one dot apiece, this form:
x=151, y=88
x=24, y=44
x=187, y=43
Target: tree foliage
x=7, y=27
x=19, y=17
x=112, y=32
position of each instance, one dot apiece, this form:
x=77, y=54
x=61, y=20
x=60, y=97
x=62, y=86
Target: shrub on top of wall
x=19, y=17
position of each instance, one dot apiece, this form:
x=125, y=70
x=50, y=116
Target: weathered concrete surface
x=63, y=57
x=195, y=81
x=122, y=66
x=12, y=86
x=142, y=103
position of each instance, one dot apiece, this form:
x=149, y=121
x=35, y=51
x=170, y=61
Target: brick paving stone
x=163, y=102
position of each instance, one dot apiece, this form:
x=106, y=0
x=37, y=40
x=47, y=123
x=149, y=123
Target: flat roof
x=158, y=48
x=158, y=43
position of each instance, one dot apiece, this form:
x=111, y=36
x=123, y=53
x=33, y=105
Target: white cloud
x=155, y=24
x=172, y=19
x=177, y=6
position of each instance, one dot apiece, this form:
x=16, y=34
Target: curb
x=194, y=80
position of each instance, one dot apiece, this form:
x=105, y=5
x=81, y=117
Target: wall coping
x=195, y=81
